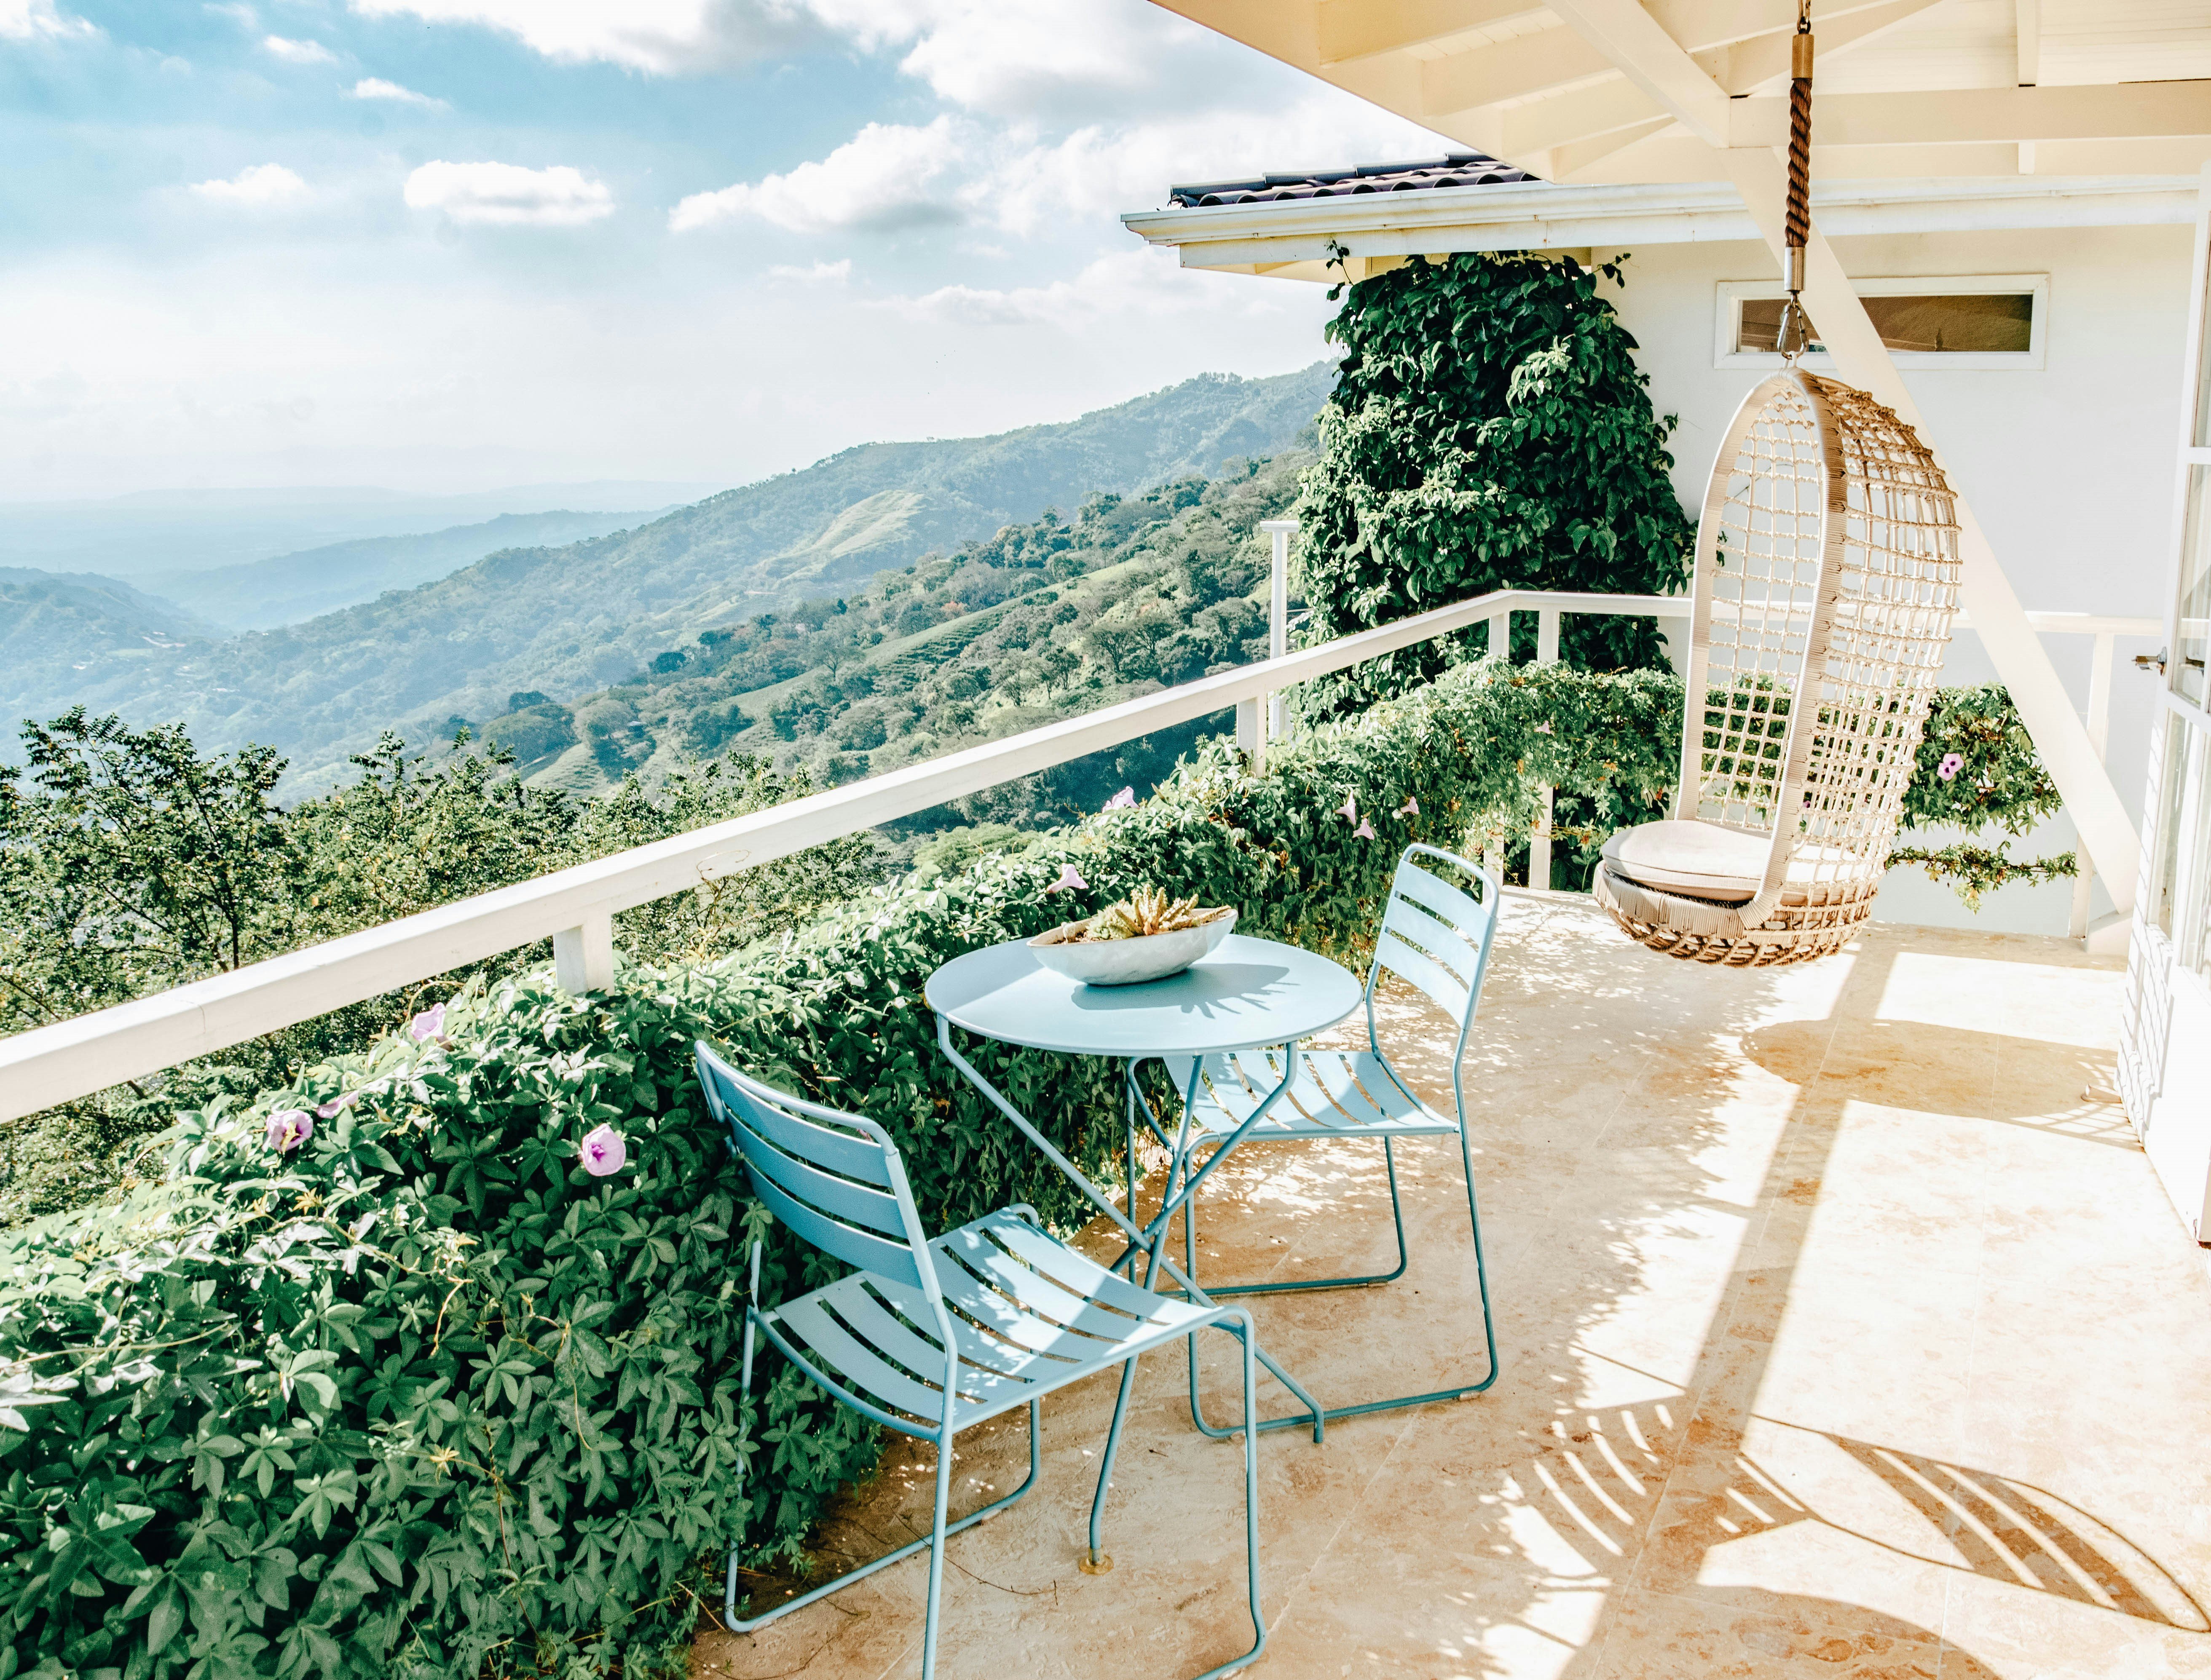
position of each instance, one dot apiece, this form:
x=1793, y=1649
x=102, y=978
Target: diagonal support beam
x=2059, y=735
x=1653, y=60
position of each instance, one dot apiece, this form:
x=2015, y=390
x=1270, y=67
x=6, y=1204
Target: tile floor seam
x=1358, y=1504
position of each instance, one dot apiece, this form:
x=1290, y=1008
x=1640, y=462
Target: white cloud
x=507, y=194
x=1048, y=59
x=1037, y=58
x=38, y=21
x=376, y=87
x=259, y=186
x=880, y=179
x=816, y=273
x=297, y=52
x=1128, y=283
x=236, y=10
x=1101, y=169
x=666, y=37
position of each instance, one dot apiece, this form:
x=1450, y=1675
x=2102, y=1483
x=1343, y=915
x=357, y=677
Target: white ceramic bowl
x=1129, y=962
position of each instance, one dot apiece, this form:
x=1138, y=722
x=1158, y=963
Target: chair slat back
x=834, y=1179
x=1435, y=936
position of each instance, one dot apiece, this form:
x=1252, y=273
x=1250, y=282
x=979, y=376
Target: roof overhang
x=1350, y=237
x=1662, y=90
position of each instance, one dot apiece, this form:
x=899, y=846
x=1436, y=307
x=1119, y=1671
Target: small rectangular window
x=1980, y=322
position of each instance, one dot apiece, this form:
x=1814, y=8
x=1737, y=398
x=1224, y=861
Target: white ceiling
x=1612, y=90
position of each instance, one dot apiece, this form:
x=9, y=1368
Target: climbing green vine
x=1489, y=428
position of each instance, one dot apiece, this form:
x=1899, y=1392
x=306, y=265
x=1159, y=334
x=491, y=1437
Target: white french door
x=2165, y=1045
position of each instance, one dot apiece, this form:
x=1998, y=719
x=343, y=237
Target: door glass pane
x=2195, y=640
x=2169, y=802
x=2203, y=388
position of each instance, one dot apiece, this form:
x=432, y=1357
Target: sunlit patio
x=1844, y=1332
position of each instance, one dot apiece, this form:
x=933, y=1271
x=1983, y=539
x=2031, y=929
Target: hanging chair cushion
x=1696, y=859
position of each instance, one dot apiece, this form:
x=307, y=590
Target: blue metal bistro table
x=1250, y=994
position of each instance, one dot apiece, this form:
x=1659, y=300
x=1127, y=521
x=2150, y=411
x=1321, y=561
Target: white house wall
x=2070, y=465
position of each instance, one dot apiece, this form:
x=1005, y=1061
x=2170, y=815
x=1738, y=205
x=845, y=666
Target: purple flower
x=1124, y=801
x=1951, y=764
x=1070, y=880
x=430, y=1024
x=1349, y=809
x=288, y=1128
x=1411, y=807
x=602, y=1151
x=1363, y=831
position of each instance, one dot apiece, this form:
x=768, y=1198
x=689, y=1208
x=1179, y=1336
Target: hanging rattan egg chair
x=1826, y=578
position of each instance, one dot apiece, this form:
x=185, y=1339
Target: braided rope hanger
x=1797, y=216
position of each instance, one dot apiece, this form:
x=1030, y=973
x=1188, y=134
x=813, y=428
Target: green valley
x=570, y=620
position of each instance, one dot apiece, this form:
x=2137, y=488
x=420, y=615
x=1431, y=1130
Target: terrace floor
x=1840, y=1335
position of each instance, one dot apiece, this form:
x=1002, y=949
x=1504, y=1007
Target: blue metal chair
x=929, y=1338
x=1434, y=936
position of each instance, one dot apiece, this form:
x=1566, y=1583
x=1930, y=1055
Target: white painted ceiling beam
x=1701, y=24
x=1526, y=65
x=1966, y=115
x=1747, y=66
x=1653, y=61
x=1350, y=30
x=1530, y=132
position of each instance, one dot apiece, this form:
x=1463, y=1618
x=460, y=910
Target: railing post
x=2100, y=735
x=1279, y=531
x=1500, y=647
x=1250, y=738
x=583, y=957
x=1539, y=843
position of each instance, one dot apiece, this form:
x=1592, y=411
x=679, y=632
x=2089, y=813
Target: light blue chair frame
x=1437, y=938
x=1005, y=1311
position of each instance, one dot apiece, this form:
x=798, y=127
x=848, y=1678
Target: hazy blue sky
x=452, y=244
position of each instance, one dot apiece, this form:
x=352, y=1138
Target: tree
x=131, y=862
x=1488, y=429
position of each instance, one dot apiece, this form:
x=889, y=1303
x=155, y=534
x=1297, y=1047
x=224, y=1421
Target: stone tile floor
x=1840, y=1337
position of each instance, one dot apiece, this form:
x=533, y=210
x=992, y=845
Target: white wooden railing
x=576, y=907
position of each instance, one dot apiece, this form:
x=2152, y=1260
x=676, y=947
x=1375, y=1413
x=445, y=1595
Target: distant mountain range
x=168, y=531
x=568, y=620
x=263, y=594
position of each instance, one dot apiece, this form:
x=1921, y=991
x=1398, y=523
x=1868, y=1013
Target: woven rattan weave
x=1826, y=578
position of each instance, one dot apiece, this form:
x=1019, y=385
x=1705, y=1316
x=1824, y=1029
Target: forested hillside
x=1040, y=621
x=567, y=621
x=141, y=859
x=55, y=626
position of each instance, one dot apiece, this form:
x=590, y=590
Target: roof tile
x=1455, y=169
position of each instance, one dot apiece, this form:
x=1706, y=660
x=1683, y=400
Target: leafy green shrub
x=421, y=1398
x=1996, y=779
x=1488, y=429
